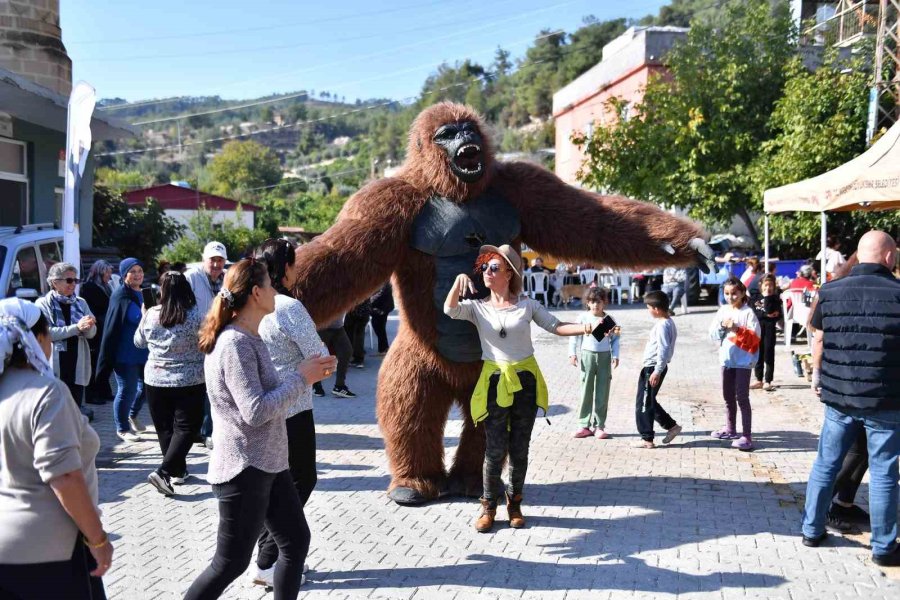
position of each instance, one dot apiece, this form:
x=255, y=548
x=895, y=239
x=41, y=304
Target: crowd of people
x=231, y=358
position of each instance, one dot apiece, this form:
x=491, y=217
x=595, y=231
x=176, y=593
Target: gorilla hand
x=705, y=255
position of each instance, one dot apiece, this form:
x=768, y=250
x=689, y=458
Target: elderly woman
x=511, y=387
x=96, y=290
x=52, y=543
x=72, y=324
x=119, y=354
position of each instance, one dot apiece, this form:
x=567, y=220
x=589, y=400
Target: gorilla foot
x=460, y=485
x=413, y=492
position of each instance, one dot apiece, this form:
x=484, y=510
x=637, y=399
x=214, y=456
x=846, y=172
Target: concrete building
x=183, y=203
x=35, y=82
x=628, y=63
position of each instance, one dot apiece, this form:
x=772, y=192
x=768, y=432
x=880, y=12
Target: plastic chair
x=589, y=276
x=371, y=331
x=539, y=285
x=798, y=313
x=619, y=283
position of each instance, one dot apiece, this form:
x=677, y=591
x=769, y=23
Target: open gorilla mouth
x=468, y=162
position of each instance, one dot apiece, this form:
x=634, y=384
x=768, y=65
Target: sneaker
x=318, y=390
x=584, y=432
x=814, y=542
x=671, y=434
x=161, y=483
x=756, y=385
x=851, y=514
x=743, y=444
x=136, y=425
x=342, y=392
x=891, y=559
x=179, y=480
x=381, y=353
x=602, y=435
x=265, y=577
x=724, y=434
x=835, y=523
x=128, y=436
x=208, y=443
x=769, y=387
x=357, y=365
x=648, y=445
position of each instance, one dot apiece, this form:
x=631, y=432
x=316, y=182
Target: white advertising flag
x=78, y=145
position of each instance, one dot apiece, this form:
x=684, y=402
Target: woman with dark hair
x=71, y=326
x=52, y=543
x=173, y=376
x=119, y=354
x=511, y=387
x=249, y=465
x=96, y=291
x=290, y=335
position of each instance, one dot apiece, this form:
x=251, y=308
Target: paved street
x=606, y=519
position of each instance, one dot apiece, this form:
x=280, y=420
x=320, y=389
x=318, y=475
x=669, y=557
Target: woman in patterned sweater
x=290, y=334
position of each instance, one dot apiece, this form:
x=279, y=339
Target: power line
x=254, y=29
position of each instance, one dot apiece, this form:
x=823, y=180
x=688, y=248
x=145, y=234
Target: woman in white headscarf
x=52, y=543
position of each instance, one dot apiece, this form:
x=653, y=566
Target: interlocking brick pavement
x=607, y=520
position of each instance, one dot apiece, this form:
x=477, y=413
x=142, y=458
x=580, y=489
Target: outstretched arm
x=575, y=225
x=357, y=254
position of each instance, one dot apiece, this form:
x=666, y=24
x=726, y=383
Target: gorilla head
x=449, y=153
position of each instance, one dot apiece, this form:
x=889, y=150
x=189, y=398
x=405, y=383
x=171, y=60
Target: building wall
x=218, y=216
x=31, y=43
x=591, y=112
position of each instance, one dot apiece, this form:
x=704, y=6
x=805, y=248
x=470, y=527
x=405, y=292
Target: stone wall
x=31, y=43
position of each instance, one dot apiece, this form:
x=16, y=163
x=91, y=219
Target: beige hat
x=512, y=258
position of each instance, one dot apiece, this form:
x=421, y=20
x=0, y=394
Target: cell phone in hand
x=149, y=297
x=606, y=325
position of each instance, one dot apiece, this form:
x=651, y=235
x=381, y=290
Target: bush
x=239, y=240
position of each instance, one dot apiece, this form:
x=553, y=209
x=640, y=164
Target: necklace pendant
x=502, y=333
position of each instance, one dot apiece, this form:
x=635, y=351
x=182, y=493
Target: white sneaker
x=136, y=425
x=180, y=480
x=266, y=577
x=128, y=436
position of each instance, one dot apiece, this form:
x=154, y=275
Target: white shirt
x=833, y=259
x=515, y=320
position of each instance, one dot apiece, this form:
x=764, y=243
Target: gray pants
x=508, y=430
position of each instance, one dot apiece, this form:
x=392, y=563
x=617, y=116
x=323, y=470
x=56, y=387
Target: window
x=50, y=254
x=13, y=183
x=25, y=272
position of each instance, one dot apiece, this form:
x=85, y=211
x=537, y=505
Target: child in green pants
x=598, y=359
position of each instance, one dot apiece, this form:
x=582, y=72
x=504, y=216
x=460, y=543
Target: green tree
x=141, y=231
x=203, y=228
x=691, y=139
x=819, y=124
x=243, y=166
x=121, y=180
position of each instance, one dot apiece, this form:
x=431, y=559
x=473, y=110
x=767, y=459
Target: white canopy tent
x=871, y=181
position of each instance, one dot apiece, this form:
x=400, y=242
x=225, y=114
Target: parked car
x=26, y=254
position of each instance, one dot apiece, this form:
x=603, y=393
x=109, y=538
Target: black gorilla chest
x=452, y=233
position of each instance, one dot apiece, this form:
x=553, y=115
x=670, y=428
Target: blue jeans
x=883, y=439
x=129, y=394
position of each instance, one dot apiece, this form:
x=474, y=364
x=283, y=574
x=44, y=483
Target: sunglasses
x=69, y=280
x=493, y=268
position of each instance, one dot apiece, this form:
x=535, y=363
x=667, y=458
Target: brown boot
x=485, y=520
x=514, y=508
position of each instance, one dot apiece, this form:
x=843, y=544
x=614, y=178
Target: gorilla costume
x=425, y=226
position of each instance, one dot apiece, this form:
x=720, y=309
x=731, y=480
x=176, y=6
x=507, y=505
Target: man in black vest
x=856, y=354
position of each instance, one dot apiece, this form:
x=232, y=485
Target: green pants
x=596, y=373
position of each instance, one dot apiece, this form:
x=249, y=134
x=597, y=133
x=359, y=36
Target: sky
x=141, y=50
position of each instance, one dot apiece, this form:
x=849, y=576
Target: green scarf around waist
x=508, y=385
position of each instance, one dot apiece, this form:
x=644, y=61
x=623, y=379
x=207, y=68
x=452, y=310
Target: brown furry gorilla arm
x=357, y=254
x=573, y=224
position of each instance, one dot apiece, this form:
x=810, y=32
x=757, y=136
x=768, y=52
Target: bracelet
x=102, y=543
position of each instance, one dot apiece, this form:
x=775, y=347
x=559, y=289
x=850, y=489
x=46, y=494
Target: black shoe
x=342, y=392
x=834, y=522
x=318, y=390
x=161, y=482
x=814, y=542
x=851, y=514
x=888, y=560
x=357, y=365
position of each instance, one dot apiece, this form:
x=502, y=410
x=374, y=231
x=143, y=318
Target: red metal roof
x=172, y=196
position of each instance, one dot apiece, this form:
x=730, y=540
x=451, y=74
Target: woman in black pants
x=173, y=376
x=248, y=469
x=291, y=337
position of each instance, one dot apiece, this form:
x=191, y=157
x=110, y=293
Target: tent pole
x=824, y=241
x=766, y=242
